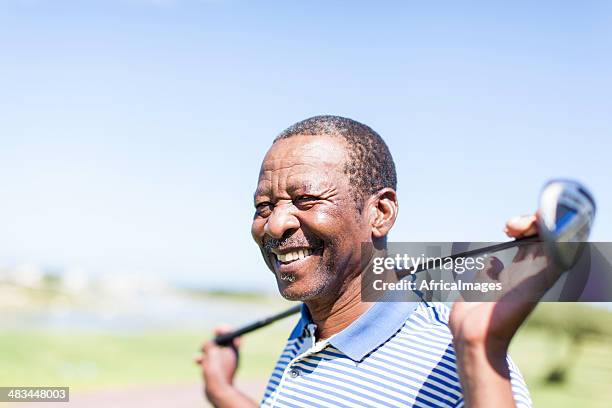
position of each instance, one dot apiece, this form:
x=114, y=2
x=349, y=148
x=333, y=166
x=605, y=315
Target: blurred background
x=131, y=134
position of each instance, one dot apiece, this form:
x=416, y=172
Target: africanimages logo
x=411, y=264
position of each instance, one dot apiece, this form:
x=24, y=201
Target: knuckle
x=207, y=346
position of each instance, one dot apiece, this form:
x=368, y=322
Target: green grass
x=545, y=343
x=589, y=379
x=93, y=360
x=100, y=360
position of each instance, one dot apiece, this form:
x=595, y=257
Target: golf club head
x=565, y=217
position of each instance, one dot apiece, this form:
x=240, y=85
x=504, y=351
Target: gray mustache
x=291, y=241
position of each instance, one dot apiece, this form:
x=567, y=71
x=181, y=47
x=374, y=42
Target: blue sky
x=131, y=132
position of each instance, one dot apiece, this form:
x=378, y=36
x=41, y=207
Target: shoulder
x=425, y=339
x=426, y=333
x=429, y=319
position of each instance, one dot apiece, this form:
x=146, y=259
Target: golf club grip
x=226, y=338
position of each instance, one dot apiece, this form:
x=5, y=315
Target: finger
x=236, y=342
x=521, y=226
x=226, y=328
x=493, y=267
x=521, y=253
x=528, y=251
x=491, y=272
x=222, y=329
x=208, y=346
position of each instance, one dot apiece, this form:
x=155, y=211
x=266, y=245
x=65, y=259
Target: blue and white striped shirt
x=397, y=354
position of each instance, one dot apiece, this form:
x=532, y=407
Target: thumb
x=226, y=328
x=521, y=226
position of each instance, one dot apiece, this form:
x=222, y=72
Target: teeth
x=295, y=255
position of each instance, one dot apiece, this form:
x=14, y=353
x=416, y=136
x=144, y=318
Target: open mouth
x=291, y=256
x=294, y=255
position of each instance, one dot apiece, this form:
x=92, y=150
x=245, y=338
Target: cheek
x=326, y=225
x=341, y=228
x=323, y=220
x=257, y=229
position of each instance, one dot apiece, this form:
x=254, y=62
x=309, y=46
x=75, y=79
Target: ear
x=383, y=208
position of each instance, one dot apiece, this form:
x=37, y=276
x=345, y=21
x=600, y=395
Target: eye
x=304, y=201
x=264, y=209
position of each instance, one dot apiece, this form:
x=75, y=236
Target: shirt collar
x=369, y=331
x=301, y=325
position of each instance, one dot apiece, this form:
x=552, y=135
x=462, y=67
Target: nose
x=280, y=221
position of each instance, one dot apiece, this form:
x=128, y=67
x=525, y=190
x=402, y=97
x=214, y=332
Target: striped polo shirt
x=397, y=354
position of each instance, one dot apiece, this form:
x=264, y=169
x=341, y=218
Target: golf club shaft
x=491, y=248
x=226, y=338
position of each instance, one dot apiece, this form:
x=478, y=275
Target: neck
x=335, y=314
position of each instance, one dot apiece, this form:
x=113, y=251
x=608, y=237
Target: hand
x=482, y=331
x=218, y=365
x=529, y=276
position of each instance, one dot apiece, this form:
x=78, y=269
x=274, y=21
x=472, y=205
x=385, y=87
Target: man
x=327, y=185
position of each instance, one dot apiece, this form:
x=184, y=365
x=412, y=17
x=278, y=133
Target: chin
x=297, y=291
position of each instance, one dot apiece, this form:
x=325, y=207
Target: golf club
x=565, y=217
x=226, y=338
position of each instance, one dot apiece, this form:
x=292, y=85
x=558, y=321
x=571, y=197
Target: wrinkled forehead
x=303, y=161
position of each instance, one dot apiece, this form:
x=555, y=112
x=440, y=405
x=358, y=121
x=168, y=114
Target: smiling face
x=306, y=221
